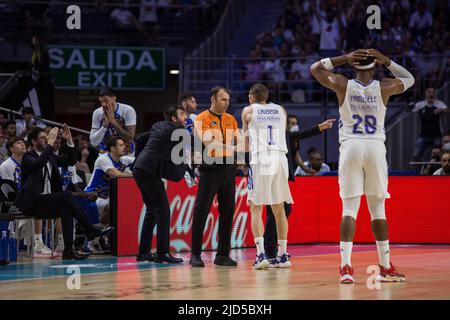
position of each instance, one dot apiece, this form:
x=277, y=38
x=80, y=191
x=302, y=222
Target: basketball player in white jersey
x=264, y=125
x=362, y=162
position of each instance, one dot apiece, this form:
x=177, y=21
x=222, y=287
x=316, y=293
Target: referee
x=218, y=131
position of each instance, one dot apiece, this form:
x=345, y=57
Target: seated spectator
x=148, y=18
x=429, y=66
x=421, y=20
x=301, y=75
x=24, y=125
x=3, y=119
x=315, y=164
x=430, y=111
x=86, y=154
x=123, y=19
x=274, y=69
x=253, y=70
x=3, y=149
x=435, y=157
x=10, y=130
x=278, y=38
x=446, y=142
x=445, y=165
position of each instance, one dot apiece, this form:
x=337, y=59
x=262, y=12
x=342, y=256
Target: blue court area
x=50, y=268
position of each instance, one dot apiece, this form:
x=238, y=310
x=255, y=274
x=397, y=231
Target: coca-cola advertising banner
x=418, y=212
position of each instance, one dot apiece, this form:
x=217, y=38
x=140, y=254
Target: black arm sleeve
x=296, y=136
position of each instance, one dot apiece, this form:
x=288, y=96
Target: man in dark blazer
x=270, y=233
x=154, y=162
x=41, y=194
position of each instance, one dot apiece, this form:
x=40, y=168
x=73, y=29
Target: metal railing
x=200, y=73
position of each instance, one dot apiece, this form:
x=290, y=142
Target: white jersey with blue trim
x=10, y=169
x=267, y=129
x=100, y=179
x=363, y=112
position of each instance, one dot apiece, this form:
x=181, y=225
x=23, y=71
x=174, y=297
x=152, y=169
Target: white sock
x=383, y=253
x=38, y=237
x=60, y=239
x=282, y=244
x=346, y=253
x=259, y=245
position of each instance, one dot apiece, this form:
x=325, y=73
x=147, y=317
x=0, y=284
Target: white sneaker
x=284, y=261
x=261, y=262
x=95, y=247
x=59, y=247
x=41, y=250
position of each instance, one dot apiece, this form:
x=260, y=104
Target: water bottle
x=4, y=249
x=12, y=247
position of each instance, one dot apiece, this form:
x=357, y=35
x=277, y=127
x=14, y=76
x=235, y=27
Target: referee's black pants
x=222, y=182
x=158, y=213
x=270, y=231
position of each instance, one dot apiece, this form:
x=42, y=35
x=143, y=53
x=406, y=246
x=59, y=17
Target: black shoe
x=150, y=257
x=71, y=254
x=167, y=258
x=84, y=253
x=224, y=261
x=97, y=232
x=196, y=261
x=271, y=255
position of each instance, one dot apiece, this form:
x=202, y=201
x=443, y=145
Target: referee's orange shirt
x=224, y=129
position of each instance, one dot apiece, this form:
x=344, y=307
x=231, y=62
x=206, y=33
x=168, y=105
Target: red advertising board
x=418, y=212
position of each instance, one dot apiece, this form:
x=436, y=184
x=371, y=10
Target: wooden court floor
x=314, y=275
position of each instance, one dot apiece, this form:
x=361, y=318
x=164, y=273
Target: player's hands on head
x=379, y=57
x=357, y=55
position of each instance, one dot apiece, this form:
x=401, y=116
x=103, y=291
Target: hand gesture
x=379, y=57
x=327, y=124
x=52, y=135
x=109, y=115
x=310, y=171
x=67, y=135
x=91, y=195
x=357, y=55
x=85, y=152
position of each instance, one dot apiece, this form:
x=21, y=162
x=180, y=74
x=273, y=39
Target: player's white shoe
x=261, y=262
x=95, y=247
x=284, y=261
x=40, y=250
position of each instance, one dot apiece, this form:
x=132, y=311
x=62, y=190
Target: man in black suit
x=41, y=194
x=270, y=233
x=153, y=163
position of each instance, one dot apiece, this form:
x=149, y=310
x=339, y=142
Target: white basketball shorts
x=268, y=180
x=363, y=168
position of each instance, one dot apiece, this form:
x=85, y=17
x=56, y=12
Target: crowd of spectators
x=141, y=21
x=415, y=33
